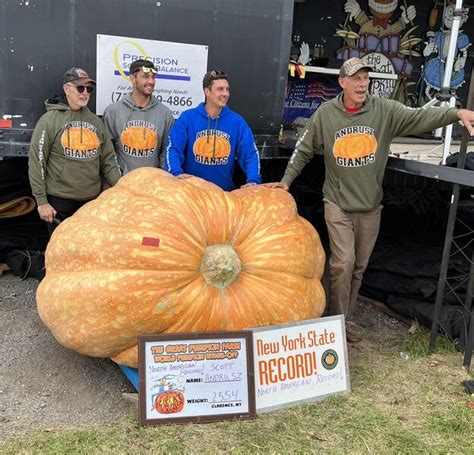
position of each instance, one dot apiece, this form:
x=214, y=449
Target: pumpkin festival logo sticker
x=79, y=140
x=329, y=359
x=139, y=138
x=212, y=147
x=355, y=146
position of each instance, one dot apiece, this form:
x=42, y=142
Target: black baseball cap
x=77, y=76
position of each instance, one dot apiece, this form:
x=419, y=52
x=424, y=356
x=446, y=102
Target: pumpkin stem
x=220, y=265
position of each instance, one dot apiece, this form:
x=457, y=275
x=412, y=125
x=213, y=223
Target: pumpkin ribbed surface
x=217, y=261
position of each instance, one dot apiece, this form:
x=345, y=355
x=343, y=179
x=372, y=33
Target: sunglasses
x=216, y=73
x=81, y=88
x=146, y=70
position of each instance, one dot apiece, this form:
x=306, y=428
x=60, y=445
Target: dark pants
x=64, y=208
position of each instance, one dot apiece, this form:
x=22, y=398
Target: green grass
x=408, y=405
x=417, y=344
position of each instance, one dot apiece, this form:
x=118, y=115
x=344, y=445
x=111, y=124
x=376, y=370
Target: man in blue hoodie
x=206, y=141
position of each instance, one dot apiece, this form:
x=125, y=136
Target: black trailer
x=39, y=39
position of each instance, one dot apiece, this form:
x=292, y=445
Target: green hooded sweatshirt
x=70, y=152
x=356, y=146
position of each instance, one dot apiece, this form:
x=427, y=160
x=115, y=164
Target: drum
x=368, y=43
x=401, y=65
x=380, y=63
x=347, y=52
x=390, y=44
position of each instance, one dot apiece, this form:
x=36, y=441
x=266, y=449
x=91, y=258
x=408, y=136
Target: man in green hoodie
x=70, y=152
x=355, y=130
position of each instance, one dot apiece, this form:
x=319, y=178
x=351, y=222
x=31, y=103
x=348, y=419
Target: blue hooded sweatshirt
x=207, y=148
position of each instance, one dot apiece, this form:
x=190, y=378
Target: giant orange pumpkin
x=160, y=254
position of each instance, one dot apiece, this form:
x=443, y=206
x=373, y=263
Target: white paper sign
x=196, y=377
x=181, y=68
x=301, y=362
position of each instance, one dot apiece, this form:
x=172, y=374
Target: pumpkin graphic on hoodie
x=211, y=147
x=355, y=146
x=79, y=140
x=139, y=138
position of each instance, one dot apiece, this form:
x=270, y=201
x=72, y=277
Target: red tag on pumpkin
x=151, y=241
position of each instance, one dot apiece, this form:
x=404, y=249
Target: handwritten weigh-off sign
x=301, y=362
x=198, y=377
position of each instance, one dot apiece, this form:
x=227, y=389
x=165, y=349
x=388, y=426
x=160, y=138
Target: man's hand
x=281, y=185
x=248, y=184
x=466, y=117
x=46, y=212
x=184, y=176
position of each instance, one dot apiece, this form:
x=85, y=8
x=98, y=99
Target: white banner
x=296, y=363
x=181, y=68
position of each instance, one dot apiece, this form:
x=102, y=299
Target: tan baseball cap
x=351, y=66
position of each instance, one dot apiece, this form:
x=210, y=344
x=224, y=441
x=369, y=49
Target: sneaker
x=352, y=334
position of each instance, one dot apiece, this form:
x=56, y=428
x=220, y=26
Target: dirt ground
x=46, y=386
x=42, y=384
